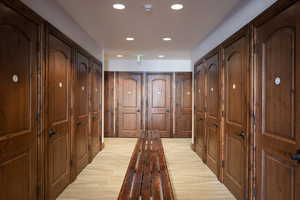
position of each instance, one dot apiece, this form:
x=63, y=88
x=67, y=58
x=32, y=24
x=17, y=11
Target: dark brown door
x=183, y=110
x=109, y=104
x=58, y=125
x=236, y=60
x=18, y=105
x=82, y=111
x=159, y=103
x=278, y=111
x=96, y=77
x=200, y=109
x=130, y=104
x=213, y=119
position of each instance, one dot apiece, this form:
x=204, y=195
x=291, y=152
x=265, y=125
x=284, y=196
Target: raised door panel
x=183, y=110
x=58, y=126
x=130, y=104
x=82, y=112
x=159, y=103
x=278, y=84
x=109, y=104
x=212, y=120
x=200, y=139
x=18, y=105
x=236, y=112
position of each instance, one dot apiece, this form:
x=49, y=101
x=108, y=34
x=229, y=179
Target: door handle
x=296, y=156
x=138, y=110
x=242, y=134
x=167, y=110
x=78, y=123
x=94, y=118
x=51, y=132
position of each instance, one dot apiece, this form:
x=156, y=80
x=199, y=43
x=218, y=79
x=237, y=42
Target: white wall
x=51, y=11
x=241, y=16
x=148, y=65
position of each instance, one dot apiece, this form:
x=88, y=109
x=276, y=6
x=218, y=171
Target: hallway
x=102, y=179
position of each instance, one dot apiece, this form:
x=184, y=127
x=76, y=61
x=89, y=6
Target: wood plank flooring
x=103, y=178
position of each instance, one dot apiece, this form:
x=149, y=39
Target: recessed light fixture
x=167, y=39
x=161, y=56
x=120, y=56
x=129, y=38
x=119, y=6
x=176, y=6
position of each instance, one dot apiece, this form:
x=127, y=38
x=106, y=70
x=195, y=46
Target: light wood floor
x=103, y=178
x=191, y=178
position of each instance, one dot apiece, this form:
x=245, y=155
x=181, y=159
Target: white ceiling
x=187, y=27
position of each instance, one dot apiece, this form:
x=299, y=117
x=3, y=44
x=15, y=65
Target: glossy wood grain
x=109, y=104
x=130, y=104
x=277, y=61
x=183, y=102
x=58, y=137
x=19, y=61
x=159, y=103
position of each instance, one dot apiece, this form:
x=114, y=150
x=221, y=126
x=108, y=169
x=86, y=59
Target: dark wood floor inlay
x=147, y=176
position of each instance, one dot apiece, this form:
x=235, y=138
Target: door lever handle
x=51, y=132
x=242, y=134
x=296, y=156
x=138, y=110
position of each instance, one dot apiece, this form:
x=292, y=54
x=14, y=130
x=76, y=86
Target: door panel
x=130, y=104
x=278, y=117
x=183, y=111
x=109, y=104
x=200, y=111
x=159, y=103
x=96, y=77
x=82, y=112
x=213, y=120
x=18, y=105
x=58, y=137
x=236, y=111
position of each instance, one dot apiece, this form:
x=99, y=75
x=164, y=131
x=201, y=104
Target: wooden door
x=130, y=104
x=96, y=77
x=18, y=105
x=160, y=103
x=109, y=104
x=200, y=111
x=213, y=119
x=82, y=111
x=58, y=115
x=278, y=112
x=236, y=58
x=183, y=110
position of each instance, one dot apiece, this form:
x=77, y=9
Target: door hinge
x=38, y=47
x=38, y=190
x=254, y=192
x=37, y=116
x=223, y=163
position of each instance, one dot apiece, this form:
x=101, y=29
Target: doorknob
x=138, y=110
x=167, y=110
x=51, y=132
x=78, y=123
x=296, y=156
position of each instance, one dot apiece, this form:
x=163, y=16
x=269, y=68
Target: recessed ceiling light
x=161, y=56
x=119, y=6
x=176, y=6
x=167, y=39
x=129, y=38
x=120, y=56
